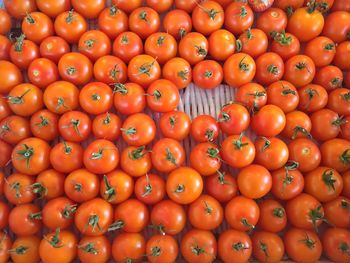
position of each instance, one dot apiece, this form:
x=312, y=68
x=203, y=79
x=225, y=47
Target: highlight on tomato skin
x=174, y=130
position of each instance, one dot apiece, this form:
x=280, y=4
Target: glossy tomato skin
x=136, y=161
x=44, y=125
x=150, y=189
x=204, y=128
x=14, y=124
x=37, y=26
x=53, y=8
x=4, y=47
x=238, y=17
x=5, y=153
x=19, y=9
x=339, y=5
x=254, y=42
x=58, y=213
x=4, y=214
x=269, y=68
x=321, y=50
x=23, y=52
x=113, y=21
x=336, y=212
x=269, y=121
x=335, y=154
x=167, y=245
x=251, y=95
x=129, y=98
x=346, y=183
x=326, y=124
x=163, y=96
x=25, y=220
x=205, y=158
x=341, y=58
x=18, y=189
x=96, y=98
x=273, y=217
x=284, y=95
x=49, y=184
x=106, y=126
x=128, y=247
x=127, y=5
x=336, y=26
x=31, y=254
x=6, y=246
x=234, y=119
x=144, y=21
x=193, y=47
x=177, y=23
x=272, y=20
x=329, y=77
x=90, y=8
x=87, y=245
x=185, y=5
x=5, y=110
x=334, y=242
x=54, y=48
x=267, y=247
x=162, y=46
x=175, y=125
x=286, y=45
x=338, y=102
x=179, y=71
x=94, y=44
x=127, y=45
x=222, y=186
x=207, y=74
x=5, y=22
x=299, y=70
x=42, y=72
x=74, y=126
x=66, y=157
x=239, y=69
x=309, y=101
x=222, y=44
x=110, y=70
x=70, y=25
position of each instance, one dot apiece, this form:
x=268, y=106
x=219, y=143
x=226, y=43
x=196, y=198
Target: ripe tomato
x=93, y=217
x=325, y=124
x=175, y=125
x=6, y=244
x=312, y=98
x=101, y=156
x=167, y=155
x=127, y=45
x=160, y=6
x=336, y=26
x=14, y=129
x=96, y=249
x=269, y=121
x=329, y=77
x=94, y=44
x=339, y=101
x=254, y=42
x=267, y=247
x=273, y=217
x=222, y=186
x=342, y=56
x=70, y=25
x=234, y=244
x=59, y=245
x=116, y=187
x=285, y=44
x=298, y=125
x=337, y=211
x=251, y=95
x=208, y=17
x=222, y=44
x=19, y=8
x=272, y=20
x=239, y=69
x=54, y=48
x=4, y=214
x=128, y=247
x=65, y=157
x=162, y=248
x=335, y=242
x=299, y=70
x=234, y=119
x=53, y=8
x=5, y=110
x=49, y=184
x=346, y=183
x=5, y=45
x=162, y=96
x=161, y=46
x=238, y=17
x=74, y=126
x=205, y=158
x=5, y=154
x=42, y=72
x=208, y=74
x=269, y=68
x=81, y=185
x=58, y=213
x=179, y=71
x=340, y=5
x=106, y=126
x=242, y=213
x=25, y=220
x=17, y=189
x=168, y=217
x=185, y=5
x=284, y=95
x=25, y=249
x=321, y=50
x=96, y=98
x=110, y=70
x=113, y=21
x=177, y=23
x=5, y=22
x=37, y=26
x=89, y=8
x=129, y=98
x=204, y=128
x=136, y=161
x=23, y=52
x=344, y=129
x=144, y=21
x=127, y=5
x=335, y=154
x=150, y=189
x=193, y=47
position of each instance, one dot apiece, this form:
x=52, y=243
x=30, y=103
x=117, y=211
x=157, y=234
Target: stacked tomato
x=69, y=93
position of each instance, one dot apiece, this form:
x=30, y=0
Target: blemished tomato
x=222, y=44
x=101, y=156
x=337, y=26
x=66, y=157
x=127, y=45
x=285, y=44
x=131, y=216
x=335, y=154
x=19, y=8
x=6, y=244
x=239, y=69
x=127, y=5
x=199, y=246
x=339, y=101
x=167, y=154
x=335, y=242
x=267, y=247
x=185, y=5
x=129, y=98
x=17, y=189
x=25, y=249
x=44, y=125
x=160, y=6
x=205, y=158
x=94, y=44
x=204, y=128
x=321, y=50
x=269, y=68
x=70, y=25
x=298, y=125
x=96, y=249
x=53, y=8
x=14, y=129
x=5, y=154
x=175, y=125
x=58, y=213
x=42, y=72
x=342, y=56
x=106, y=126
x=5, y=45
x=254, y=42
x=239, y=17
x=74, y=126
x=325, y=124
x=242, y=213
x=5, y=22
x=54, y=48
x=162, y=248
x=273, y=217
x=117, y=186
x=150, y=189
x=208, y=17
x=96, y=98
x=110, y=69
x=234, y=244
x=113, y=21
x=128, y=247
x=284, y=95
x=58, y=246
x=272, y=20
x=337, y=211
x=25, y=220
x=179, y=71
x=89, y=8
x=49, y=184
x=193, y=47
x=37, y=26
x=234, y=118
x=162, y=46
x=23, y=52
x=299, y=70
x=177, y=23
x=302, y=245
x=136, y=161
x=144, y=21
x=4, y=214
x=222, y=186
x=93, y=217
x=312, y=97
x=252, y=95
x=329, y=77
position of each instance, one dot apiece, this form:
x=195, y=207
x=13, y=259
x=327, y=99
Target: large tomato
x=336, y=242
x=267, y=247
x=177, y=23
x=273, y=217
x=37, y=26
x=162, y=46
x=239, y=69
x=208, y=17
x=284, y=95
x=19, y=8
x=336, y=154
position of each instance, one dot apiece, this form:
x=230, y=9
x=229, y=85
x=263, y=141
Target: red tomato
x=321, y=50
x=150, y=189
x=5, y=45
x=207, y=74
x=339, y=101
x=298, y=125
x=285, y=44
x=5, y=22
x=329, y=77
x=299, y=70
x=5, y=153
x=238, y=17
x=234, y=119
x=185, y=5
x=127, y=5
x=204, y=128
x=74, y=126
x=110, y=70
x=96, y=249
x=177, y=23
x=18, y=189
x=25, y=220
x=128, y=247
x=337, y=26
x=127, y=45
x=284, y=95
x=269, y=68
x=113, y=21
x=335, y=242
x=272, y=20
x=162, y=248
x=70, y=25
x=222, y=44
x=53, y=8
x=205, y=158
x=4, y=214
x=54, y=48
x=325, y=124
x=106, y=126
x=175, y=125
x=44, y=125
x=19, y=8
x=269, y=121
x=129, y=98
x=161, y=46
x=254, y=42
x=14, y=129
x=335, y=154
x=179, y=71
x=342, y=56
x=160, y=6
x=162, y=96
x=144, y=21
x=66, y=157
x=94, y=44
x=49, y=184
x=312, y=98
x=25, y=249
x=273, y=217
x=89, y=8
x=96, y=98
x=193, y=47
x=136, y=161
x=222, y=186
x=239, y=69
x=37, y=26
x=337, y=211
x=251, y=95
x=267, y=247
x=23, y=52
x=42, y=72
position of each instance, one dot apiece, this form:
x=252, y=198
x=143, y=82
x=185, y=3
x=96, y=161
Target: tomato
x=5, y=110
x=96, y=249
x=204, y=128
x=75, y=68
x=302, y=246
x=112, y=21
x=284, y=95
x=5, y=154
x=66, y=157
x=168, y=217
x=58, y=213
x=58, y=246
x=207, y=74
x=162, y=96
x=94, y=44
x=269, y=121
x=81, y=185
x=346, y=184
x=267, y=247
x=251, y=95
x=312, y=98
x=335, y=242
x=299, y=70
x=337, y=26
x=150, y=189
x=4, y=214
x=96, y=98
x=325, y=124
x=14, y=129
x=178, y=71
x=25, y=220
x=53, y=8
x=298, y=125
x=337, y=212
x=234, y=119
x=254, y=42
x=222, y=186
x=131, y=216
x=101, y=156
x=269, y=68
x=19, y=8
x=143, y=70
x=160, y=6
x=321, y=50
x=222, y=44
x=335, y=154
x=167, y=155
x=128, y=247
x=193, y=47
x=106, y=126
x=234, y=244
x=25, y=249
x=37, y=26
x=285, y=44
x=341, y=5
x=74, y=126
x=239, y=17
x=5, y=22
x=70, y=25
x=54, y=48
x=273, y=217
x=138, y=129
x=136, y=161
x=129, y=98
x=272, y=20
x=144, y=21
x=2, y=183
x=184, y=185
x=6, y=244
x=175, y=125
x=205, y=158
x=205, y=213
x=23, y=52
x=239, y=69
x=177, y=23
x=89, y=8
x=330, y=77
x=17, y=189
x=42, y=72
x=185, y=5
x=242, y=213
x=342, y=56
x=161, y=46
x=208, y=17
x=5, y=45
x=93, y=217
x=117, y=186
x=162, y=248
x=49, y=184
x=127, y=45
x=344, y=129
x=339, y=101
x=127, y=5
x=110, y=70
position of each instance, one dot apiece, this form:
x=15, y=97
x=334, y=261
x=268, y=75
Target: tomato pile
x=87, y=174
